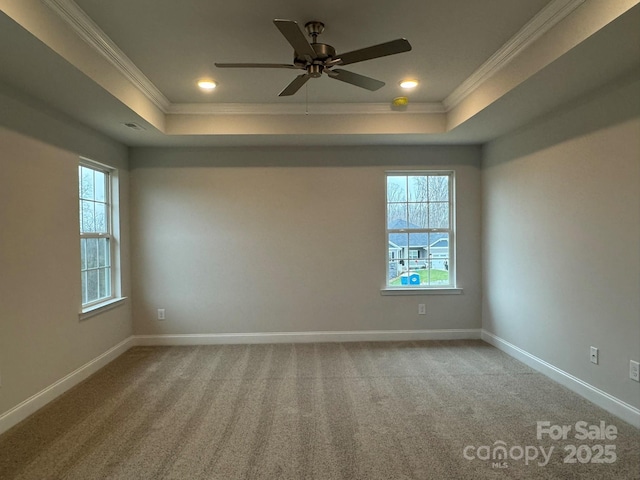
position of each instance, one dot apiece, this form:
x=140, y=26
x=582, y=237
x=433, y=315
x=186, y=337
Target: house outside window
x=420, y=229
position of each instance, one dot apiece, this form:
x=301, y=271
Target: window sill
x=100, y=308
x=421, y=291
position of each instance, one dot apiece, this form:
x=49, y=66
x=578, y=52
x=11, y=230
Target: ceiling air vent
x=134, y=126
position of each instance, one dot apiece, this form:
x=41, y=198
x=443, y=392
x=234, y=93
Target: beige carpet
x=406, y=410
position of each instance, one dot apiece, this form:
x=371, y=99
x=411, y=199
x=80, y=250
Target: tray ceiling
x=138, y=61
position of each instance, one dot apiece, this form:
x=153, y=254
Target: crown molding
x=300, y=108
x=546, y=19
x=93, y=35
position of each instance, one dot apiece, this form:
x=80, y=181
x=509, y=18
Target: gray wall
x=561, y=238
x=285, y=240
x=41, y=338
x=292, y=239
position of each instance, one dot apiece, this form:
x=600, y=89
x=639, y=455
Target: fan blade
x=255, y=65
x=356, y=79
x=296, y=38
x=390, y=48
x=294, y=86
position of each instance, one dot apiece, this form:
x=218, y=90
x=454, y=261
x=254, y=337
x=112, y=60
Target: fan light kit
x=207, y=85
x=318, y=58
x=409, y=84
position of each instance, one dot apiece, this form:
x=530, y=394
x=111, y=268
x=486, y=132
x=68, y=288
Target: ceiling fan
x=318, y=58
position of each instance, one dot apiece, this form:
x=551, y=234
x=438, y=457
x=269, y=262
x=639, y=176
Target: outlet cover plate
x=634, y=370
x=594, y=355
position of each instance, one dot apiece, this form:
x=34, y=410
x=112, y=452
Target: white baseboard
x=29, y=406
x=306, y=337
x=40, y=399
x=617, y=407
x=613, y=405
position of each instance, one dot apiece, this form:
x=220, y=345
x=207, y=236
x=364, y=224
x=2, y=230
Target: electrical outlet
x=422, y=309
x=634, y=370
x=594, y=355
x=161, y=314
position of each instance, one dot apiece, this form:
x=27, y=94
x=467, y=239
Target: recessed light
x=409, y=83
x=207, y=85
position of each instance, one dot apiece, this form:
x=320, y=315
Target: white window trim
x=421, y=291
x=102, y=307
x=453, y=288
x=116, y=298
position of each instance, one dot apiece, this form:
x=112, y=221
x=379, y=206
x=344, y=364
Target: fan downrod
x=314, y=28
x=323, y=51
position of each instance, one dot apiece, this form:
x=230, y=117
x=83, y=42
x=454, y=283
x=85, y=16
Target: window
x=97, y=240
x=420, y=230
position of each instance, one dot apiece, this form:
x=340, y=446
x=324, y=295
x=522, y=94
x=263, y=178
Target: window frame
x=112, y=233
x=451, y=287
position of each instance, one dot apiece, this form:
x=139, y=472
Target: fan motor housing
x=323, y=51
